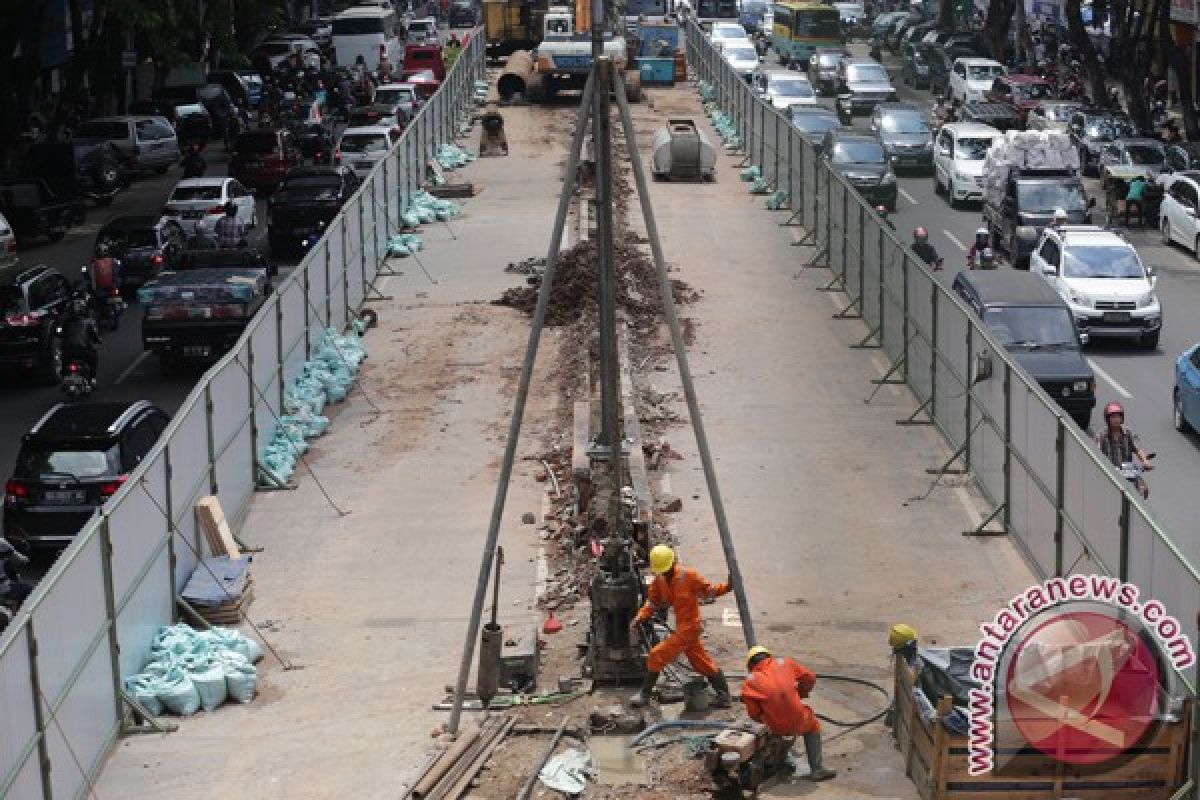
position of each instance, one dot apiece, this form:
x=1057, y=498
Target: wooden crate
x=936, y=761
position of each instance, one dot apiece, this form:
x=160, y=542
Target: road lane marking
x=129, y=370
x=908, y=197
x=1109, y=379
x=954, y=240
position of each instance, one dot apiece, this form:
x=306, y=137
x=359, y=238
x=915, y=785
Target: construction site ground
x=368, y=601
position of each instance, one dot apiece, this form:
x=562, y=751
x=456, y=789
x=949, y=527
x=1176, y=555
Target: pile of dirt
x=576, y=286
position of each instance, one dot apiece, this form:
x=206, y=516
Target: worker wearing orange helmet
x=680, y=589
x=774, y=695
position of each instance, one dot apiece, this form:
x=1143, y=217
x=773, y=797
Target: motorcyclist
x=1058, y=218
x=194, y=165
x=80, y=336
x=924, y=250
x=1121, y=445
x=13, y=590
x=230, y=230
x=978, y=246
x=882, y=211
x=987, y=259
x=106, y=270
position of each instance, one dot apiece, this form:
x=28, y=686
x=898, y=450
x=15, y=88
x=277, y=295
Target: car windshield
x=188, y=194
x=1044, y=196
x=790, y=87
x=82, y=462
x=868, y=73
x=1031, y=91
x=971, y=149
x=1017, y=326
x=312, y=182
x=1144, y=155
x=1101, y=261
x=741, y=54
x=904, y=122
x=858, y=153
x=983, y=72
x=11, y=300
x=1106, y=129
x=815, y=123
x=363, y=143
x=828, y=60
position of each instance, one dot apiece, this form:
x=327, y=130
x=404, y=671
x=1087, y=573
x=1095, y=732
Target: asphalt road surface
x=1141, y=381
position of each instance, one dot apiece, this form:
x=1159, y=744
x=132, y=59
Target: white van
x=366, y=31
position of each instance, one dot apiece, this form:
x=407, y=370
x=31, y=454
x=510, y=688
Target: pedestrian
x=774, y=694
x=681, y=589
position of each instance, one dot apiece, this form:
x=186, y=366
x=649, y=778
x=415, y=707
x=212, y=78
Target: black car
x=307, y=200
x=90, y=168
x=145, y=246
x=462, y=14
x=1027, y=316
x=859, y=156
x=813, y=122
x=31, y=301
x=71, y=461
x=903, y=129
x=34, y=209
x=1091, y=130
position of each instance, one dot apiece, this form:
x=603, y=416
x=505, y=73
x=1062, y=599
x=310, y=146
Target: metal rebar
x=528, y=785
x=685, y=374
x=514, y=428
x=496, y=583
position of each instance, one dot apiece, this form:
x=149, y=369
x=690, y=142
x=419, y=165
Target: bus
x=802, y=27
x=367, y=31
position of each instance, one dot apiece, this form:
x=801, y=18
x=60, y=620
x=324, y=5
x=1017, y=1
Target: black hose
x=861, y=682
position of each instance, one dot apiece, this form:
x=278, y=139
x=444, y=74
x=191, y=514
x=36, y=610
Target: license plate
x=193, y=214
x=908, y=160
x=197, y=350
x=1116, y=316
x=67, y=497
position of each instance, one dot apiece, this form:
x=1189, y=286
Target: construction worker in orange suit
x=680, y=589
x=774, y=695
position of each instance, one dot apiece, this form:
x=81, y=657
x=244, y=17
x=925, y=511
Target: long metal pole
x=685, y=374
x=514, y=425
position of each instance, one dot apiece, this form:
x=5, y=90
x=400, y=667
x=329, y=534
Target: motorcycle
x=15, y=590
x=1132, y=471
x=76, y=380
x=194, y=165
x=105, y=302
x=314, y=235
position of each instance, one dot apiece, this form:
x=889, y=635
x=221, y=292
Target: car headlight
x=1147, y=300
x=1081, y=387
x=888, y=178
x=1078, y=299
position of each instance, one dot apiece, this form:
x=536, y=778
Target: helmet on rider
x=981, y=238
x=987, y=258
x=1112, y=409
x=662, y=558
x=920, y=234
x=102, y=250
x=1059, y=217
x=78, y=304
x=881, y=210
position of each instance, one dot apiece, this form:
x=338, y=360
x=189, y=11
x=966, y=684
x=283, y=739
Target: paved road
x=1139, y=380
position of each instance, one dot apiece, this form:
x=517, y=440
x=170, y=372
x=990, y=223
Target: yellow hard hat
x=757, y=650
x=900, y=635
x=662, y=558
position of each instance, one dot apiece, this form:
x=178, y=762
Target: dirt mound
x=576, y=286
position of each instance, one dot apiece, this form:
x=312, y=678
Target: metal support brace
x=845, y=313
x=836, y=284
x=912, y=418
x=372, y=294
x=876, y=334
x=961, y=452
x=886, y=380
x=142, y=720
x=982, y=528
x=790, y=222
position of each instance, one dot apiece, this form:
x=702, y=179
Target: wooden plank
x=212, y=521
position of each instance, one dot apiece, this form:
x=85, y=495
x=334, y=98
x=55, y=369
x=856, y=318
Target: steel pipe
x=518, y=76
x=448, y=760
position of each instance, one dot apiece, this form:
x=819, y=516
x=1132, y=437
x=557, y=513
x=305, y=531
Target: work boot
x=643, y=695
x=812, y=747
x=721, y=687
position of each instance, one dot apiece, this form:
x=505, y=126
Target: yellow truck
x=512, y=25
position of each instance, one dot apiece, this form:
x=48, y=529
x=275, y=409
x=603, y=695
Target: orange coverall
x=682, y=593
x=773, y=693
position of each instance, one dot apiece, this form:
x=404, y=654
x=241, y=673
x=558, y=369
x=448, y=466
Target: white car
x=197, y=203
x=970, y=78
x=403, y=95
x=728, y=31
x=1103, y=281
x=741, y=56
x=279, y=48
x=362, y=148
x=8, y=242
x=1177, y=216
x=784, y=88
x=958, y=160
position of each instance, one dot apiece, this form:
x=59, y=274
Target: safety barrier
x=90, y=621
x=1049, y=488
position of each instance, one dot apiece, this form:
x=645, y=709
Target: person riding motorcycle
x=882, y=211
x=1120, y=445
x=926, y=251
x=987, y=259
x=13, y=590
x=980, y=244
x=80, y=336
x=194, y=165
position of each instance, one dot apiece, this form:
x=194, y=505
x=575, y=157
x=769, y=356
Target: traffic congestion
x=136, y=247
x=1068, y=229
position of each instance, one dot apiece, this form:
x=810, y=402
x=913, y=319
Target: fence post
x=1007, y=446
x=1123, y=568
x=879, y=290
x=904, y=320
x=280, y=359
x=169, y=506
x=328, y=322
x=252, y=396
x=933, y=351
x=776, y=173
x=1059, y=487
x=967, y=399
x=110, y=611
x=210, y=437
x=39, y=717
x=345, y=271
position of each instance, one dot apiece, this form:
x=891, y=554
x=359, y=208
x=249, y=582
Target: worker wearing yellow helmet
x=774, y=693
x=681, y=589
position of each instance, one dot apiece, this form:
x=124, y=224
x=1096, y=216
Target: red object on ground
x=597, y=549
x=551, y=625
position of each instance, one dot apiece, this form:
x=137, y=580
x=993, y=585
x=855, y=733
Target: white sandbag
x=178, y=694
x=209, y=681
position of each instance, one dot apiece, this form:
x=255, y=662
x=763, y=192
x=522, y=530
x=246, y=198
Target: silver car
x=144, y=142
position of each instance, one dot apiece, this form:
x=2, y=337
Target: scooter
x=1132, y=471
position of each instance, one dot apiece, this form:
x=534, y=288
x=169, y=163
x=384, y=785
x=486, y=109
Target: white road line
x=1109, y=379
x=908, y=197
x=955, y=241
x=136, y=363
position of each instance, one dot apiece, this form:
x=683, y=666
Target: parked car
x=72, y=461
x=958, y=160
x=1178, y=218
x=422, y=30
x=742, y=57
x=362, y=148
x=751, y=16
x=307, y=200
x=86, y=168
x=1091, y=130
x=145, y=143
x=1021, y=92
x=31, y=300
x=197, y=203
x=255, y=86
x=903, y=129
x=1033, y=323
x=860, y=158
x=862, y=83
x=1053, y=115
x=964, y=45
x=193, y=125
x=34, y=210
x=914, y=68
x=782, y=88
x=1185, y=399
x=154, y=108
x=1001, y=116
x=1126, y=158
x=8, y=243
x=1102, y=279
x=971, y=78
x=261, y=158
x=813, y=122
x=883, y=22
x=823, y=67
x=145, y=245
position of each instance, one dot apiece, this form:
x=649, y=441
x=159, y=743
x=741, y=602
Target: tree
x=996, y=27
x=1178, y=61
x=946, y=11
x=1078, y=36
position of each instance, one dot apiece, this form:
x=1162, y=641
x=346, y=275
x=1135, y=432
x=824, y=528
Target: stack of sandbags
x=1037, y=150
